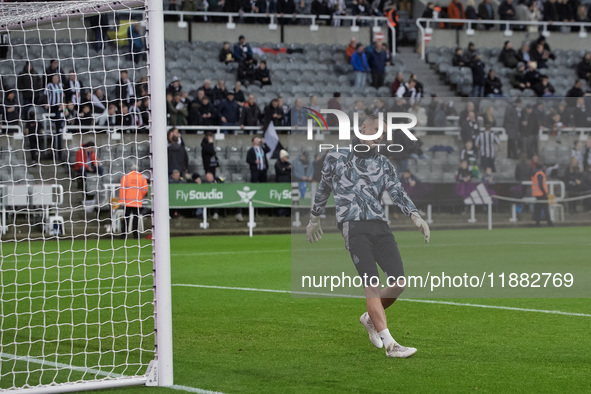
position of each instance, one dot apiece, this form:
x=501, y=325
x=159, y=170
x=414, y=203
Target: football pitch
x=237, y=329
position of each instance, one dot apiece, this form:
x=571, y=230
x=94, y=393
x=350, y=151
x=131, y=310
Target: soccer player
x=358, y=181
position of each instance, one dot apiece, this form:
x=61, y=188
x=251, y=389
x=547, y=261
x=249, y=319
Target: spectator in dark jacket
x=469, y=127
x=508, y=55
x=53, y=68
x=229, y=111
x=334, y=103
x=544, y=88
x=239, y=93
x=531, y=76
x=576, y=90
x=262, y=7
x=28, y=84
x=178, y=158
x=377, y=64
x=511, y=122
x=207, y=89
x=208, y=153
x=464, y=174
x=580, y=113
x=469, y=153
x=194, y=118
x=246, y=70
x=272, y=114
x=11, y=109
x=256, y=157
x=506, y=12
x=220, y=92
x=283, y=167
x=241, y=49
x=477, y=76
x=459, y=59
x=226, y=55
x=584, y=67
x=471, y=10
x=530, y=127
x=262, y=74
x=207, y=113
x=492, y=85
x=286, y=7
x=486, y=11
x=251, y=114
x=362, y=8
x=523, y=170
x=518, y=77
x=567, y=10
x=552, y=13
x=429, y=9
x=539, y=55
x=174, y=86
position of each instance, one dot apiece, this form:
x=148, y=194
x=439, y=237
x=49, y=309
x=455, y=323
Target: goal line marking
x=508, y=308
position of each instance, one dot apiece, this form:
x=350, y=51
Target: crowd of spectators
x=68, y=103
x=284, y=11
x=528, y=65
x=513, y=10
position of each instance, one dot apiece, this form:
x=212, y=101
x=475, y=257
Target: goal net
x=77, y=287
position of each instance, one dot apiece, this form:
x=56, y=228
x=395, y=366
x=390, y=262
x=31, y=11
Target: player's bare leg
x=376, y=310
x=376, y=323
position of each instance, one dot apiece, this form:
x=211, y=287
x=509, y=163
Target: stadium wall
x=261, y=33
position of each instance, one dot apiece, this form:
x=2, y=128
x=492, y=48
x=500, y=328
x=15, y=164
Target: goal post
x=160, y=195
x=85, y=281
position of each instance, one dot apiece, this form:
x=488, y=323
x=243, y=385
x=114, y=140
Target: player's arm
x=401, y=199
x=313, y=230
x=324, y=187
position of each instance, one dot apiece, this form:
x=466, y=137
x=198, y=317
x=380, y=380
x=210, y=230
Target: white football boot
x=398, y=351
x=374, y=337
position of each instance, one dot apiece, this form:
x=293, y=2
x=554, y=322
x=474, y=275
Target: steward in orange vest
x=134, y=187
x=539, y=189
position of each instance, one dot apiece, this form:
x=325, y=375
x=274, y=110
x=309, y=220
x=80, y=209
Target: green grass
x=255, y=342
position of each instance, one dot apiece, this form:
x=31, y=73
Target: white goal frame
x=160, y=370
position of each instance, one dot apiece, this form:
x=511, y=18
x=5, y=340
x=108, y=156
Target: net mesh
x=76, y=275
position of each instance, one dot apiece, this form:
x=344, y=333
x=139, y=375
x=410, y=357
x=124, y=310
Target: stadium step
x=427, y=76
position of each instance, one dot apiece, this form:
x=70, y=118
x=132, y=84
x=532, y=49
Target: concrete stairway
x=428, y=77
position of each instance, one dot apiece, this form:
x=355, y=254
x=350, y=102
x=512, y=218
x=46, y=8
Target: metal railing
x=583, y=132
x=425, y=26
x=274, y=18
x=219, y=135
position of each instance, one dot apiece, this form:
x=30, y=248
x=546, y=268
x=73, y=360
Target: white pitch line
x=34, y=360
x=192, y=389
x=148, y=256
x=508, y=308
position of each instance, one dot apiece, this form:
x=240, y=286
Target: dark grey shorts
x=371, y=243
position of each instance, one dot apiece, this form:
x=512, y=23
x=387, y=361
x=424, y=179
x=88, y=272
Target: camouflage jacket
x=358, y=185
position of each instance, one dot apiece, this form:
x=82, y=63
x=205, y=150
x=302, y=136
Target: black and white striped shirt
x=54, y=93
x=126, y=91
x=487, y=142
x=136, y=116
x=73, y=91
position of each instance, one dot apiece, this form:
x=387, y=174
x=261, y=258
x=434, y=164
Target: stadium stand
x=297, y=71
